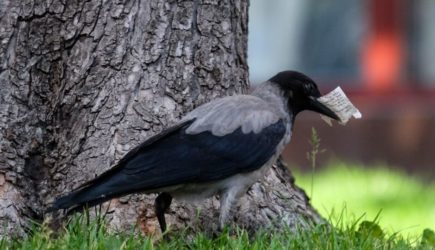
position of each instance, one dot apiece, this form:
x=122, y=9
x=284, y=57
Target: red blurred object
x=381, y=61
x=383, y=51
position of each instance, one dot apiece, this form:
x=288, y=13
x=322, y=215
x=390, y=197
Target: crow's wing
x=198, y=158
x=180, y=158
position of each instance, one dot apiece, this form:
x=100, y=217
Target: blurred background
x=382, y=53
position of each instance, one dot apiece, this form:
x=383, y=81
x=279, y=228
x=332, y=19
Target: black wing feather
x=178, y=158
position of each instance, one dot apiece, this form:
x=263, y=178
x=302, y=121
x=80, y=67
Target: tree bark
x=83, y=82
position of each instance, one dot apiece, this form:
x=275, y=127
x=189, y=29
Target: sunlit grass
x=350, y=196
x=406, y=204
x=79, y=234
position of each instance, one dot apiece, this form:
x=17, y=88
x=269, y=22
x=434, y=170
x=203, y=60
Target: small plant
x=428, y=238
x=312, y=155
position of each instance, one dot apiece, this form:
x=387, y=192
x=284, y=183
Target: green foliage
x=80, y=234
x=387, y=203
x=428, y=238
x=370, y=229
x=405, y=204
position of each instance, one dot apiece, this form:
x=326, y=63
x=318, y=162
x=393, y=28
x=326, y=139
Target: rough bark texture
x=83, y=82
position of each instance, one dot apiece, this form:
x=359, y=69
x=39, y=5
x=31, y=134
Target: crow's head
x=302, y=93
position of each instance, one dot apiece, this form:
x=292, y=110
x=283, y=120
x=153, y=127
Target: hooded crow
x=220, y=148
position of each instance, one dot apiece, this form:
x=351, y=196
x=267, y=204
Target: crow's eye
x=308, y=88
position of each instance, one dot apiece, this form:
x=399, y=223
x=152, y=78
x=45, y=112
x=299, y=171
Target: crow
x=220, y=148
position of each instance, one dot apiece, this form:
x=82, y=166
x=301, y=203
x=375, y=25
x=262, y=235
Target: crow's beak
x=318, y=107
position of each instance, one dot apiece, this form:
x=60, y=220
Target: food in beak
x=338, y=102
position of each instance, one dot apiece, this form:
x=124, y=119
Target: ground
x=405, y=203
x=355, y=194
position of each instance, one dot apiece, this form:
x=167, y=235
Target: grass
x=81, y=235
x=346, y=192
x=406, y=205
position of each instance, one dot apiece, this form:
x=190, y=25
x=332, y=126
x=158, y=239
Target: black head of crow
x=219, y=148
x=302, y=93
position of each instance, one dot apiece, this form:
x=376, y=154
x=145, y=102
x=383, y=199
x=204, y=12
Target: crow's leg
x=161, y=204
x=228, y=199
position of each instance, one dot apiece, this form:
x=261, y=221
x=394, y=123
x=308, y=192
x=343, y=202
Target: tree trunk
x=83, y=82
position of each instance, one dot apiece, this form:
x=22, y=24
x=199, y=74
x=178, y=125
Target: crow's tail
x=77, y=200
